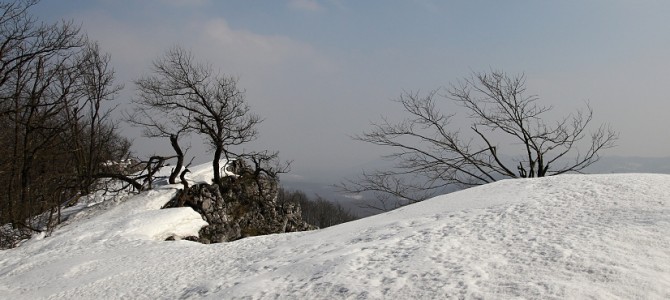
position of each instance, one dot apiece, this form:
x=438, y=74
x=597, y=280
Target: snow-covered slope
x=566, y=237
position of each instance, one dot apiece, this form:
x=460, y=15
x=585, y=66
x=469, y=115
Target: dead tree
x=33, y=55
x=161, y=124
x=431, y=155
x=197, y=99
x=55, y=129
x=266, y=167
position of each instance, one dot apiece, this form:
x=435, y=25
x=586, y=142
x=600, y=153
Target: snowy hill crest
x=575, y=236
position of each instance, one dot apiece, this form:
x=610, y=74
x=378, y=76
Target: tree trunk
x=180, y=158
x=183, y=179
x=215, y=164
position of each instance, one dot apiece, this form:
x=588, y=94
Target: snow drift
x=573, y=236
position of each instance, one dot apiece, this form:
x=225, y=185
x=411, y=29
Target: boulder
x=240, y=206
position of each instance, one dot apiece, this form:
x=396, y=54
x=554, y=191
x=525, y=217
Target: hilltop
x=571, y=236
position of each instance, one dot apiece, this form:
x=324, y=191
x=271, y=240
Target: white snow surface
x=564, y=237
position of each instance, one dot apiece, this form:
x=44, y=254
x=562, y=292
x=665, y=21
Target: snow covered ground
x=566, y=237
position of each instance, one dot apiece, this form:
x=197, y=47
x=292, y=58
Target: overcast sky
x=319, y=71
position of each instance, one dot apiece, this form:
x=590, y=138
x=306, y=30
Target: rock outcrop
x=240, y=206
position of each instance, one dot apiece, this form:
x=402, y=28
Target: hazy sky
x=319, y=71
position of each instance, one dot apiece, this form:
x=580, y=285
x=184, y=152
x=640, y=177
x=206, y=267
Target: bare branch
x=434, y=157
x=184, y=96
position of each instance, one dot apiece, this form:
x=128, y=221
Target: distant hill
x=322, y=184
x=631, y=164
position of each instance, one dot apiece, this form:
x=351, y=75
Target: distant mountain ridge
x=631, y=164
x=323, y=184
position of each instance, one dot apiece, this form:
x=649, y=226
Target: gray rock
x=207, y=206
x=240, y=207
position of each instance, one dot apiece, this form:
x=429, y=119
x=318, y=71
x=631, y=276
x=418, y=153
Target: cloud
x=237, y=51
x=288, y=81
x=249, y=52
x=307, y=5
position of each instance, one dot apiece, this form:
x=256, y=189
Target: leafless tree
x=196, y=98
x=265, y=166
x=319, y=212
x=55, y=129
x=32, y=58
x=23, y=40
x=94, y=87
x=430, y=156
x=159, y=124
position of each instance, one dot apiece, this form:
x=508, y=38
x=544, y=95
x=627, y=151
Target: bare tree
x=23, y=40
x=54, y=127
x=88, y=117
x=33, y=56
x=319, y=212
x=197, y=99
x=430, y=157
x=160, y=124
x=266, y=166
